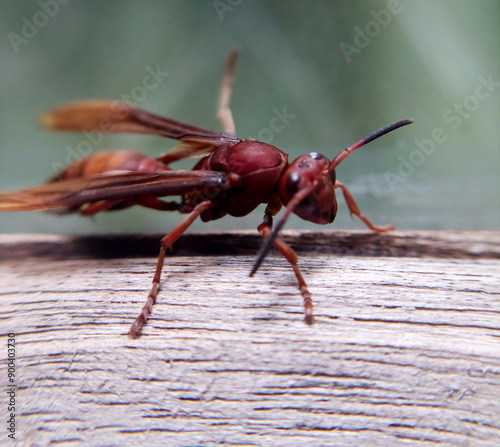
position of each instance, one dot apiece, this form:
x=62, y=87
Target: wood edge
x=438, y=244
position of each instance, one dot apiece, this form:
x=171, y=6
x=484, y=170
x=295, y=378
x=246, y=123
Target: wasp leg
x=224, y=114
x=166, y=242
x=265, y=229
x=90, y=209
x=156, y=204
x=354, y=210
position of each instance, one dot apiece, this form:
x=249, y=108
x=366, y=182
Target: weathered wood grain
x=405, y=351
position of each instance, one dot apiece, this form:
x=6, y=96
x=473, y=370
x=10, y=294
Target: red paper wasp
x=234, y=177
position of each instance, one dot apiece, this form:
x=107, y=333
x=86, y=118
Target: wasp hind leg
x=224, y=114
x=166, y=242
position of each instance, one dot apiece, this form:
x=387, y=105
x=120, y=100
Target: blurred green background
x=342, y=68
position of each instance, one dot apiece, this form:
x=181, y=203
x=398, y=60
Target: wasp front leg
x=354, y=210
x=265, y=229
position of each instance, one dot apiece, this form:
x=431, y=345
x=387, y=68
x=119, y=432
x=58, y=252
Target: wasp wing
x=112, y=186
x=116, y=116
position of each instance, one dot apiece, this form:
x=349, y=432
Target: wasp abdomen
x=107, y=161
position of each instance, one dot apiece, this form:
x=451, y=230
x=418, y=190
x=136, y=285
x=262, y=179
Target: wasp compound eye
x=292, y=183
x=316, y=156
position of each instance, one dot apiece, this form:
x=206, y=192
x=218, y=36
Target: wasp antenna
x=291, y=205
x=373, y=136
x=269, y=242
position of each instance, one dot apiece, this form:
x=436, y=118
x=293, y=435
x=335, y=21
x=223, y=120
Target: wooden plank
x=404, y=350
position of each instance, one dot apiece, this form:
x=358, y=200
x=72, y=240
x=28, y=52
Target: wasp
x=233, y=177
